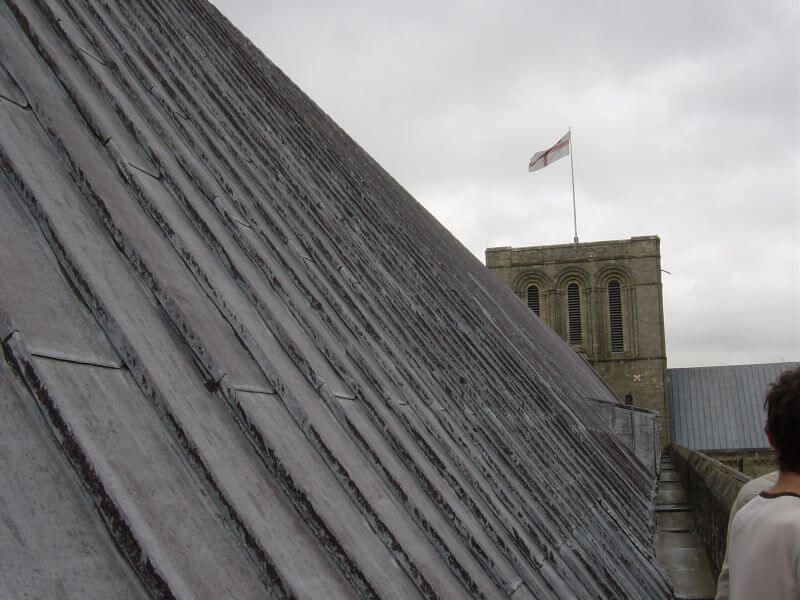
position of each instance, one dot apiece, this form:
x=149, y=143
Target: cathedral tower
x=604, y=298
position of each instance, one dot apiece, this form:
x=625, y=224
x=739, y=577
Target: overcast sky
x=685, y=119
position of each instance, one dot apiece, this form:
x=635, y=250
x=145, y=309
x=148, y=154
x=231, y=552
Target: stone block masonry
x=752, y=462
x=605, y=299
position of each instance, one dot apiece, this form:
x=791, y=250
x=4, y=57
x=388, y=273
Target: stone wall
x=753, y=462
x=640, y=378
x=637, y=372
x=711, y=488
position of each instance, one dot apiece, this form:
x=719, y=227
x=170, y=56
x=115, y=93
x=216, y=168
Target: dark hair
x=783, y=419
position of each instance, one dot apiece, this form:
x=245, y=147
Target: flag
x=558, y=150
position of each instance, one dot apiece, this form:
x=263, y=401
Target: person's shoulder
x=763, y=482
x=754, y=487
x=775, y=513
x=783, y=510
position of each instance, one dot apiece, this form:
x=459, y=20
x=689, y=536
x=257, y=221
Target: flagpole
x=572, y=174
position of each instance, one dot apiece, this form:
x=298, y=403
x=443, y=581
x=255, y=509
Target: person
x=749, y=490
x=764, y=544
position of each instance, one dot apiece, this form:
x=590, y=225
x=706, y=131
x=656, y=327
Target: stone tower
x=604, y=298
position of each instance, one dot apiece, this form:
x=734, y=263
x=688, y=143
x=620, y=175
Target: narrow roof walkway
x=678, y=548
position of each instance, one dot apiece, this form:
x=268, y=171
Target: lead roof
x=721, y=408
x=240, y=361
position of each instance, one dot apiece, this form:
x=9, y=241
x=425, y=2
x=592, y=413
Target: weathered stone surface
x=679, y=549
x=675, y=521
x=753, y=462
x=671, y=496
x=639, y=370
x=684, y=558
x=670, y=476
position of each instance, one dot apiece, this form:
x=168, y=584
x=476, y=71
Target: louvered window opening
x=533, y=299
x=615, y=314
x=574, y=310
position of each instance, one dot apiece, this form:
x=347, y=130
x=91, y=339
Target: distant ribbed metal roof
x=721, y=408
x=241, y=361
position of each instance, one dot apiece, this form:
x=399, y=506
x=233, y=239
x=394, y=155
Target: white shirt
x=749, y=490
x=764, y=550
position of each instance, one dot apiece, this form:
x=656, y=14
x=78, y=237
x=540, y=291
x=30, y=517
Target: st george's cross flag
x=558, y=150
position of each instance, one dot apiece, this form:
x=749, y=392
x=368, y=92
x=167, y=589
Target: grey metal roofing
x=240, y=361
x=721, y=408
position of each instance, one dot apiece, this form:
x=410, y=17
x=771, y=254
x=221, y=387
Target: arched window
x=574, y=313
x=615, y=315
x=533, y=299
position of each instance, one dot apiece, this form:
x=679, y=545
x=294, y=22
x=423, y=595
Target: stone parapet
x=711, y=488
x=753, y=462
x=642, y=246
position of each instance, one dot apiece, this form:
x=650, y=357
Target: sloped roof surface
x=721, y=408
x=240, y=361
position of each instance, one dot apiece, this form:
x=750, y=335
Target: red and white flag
x=558, y=150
